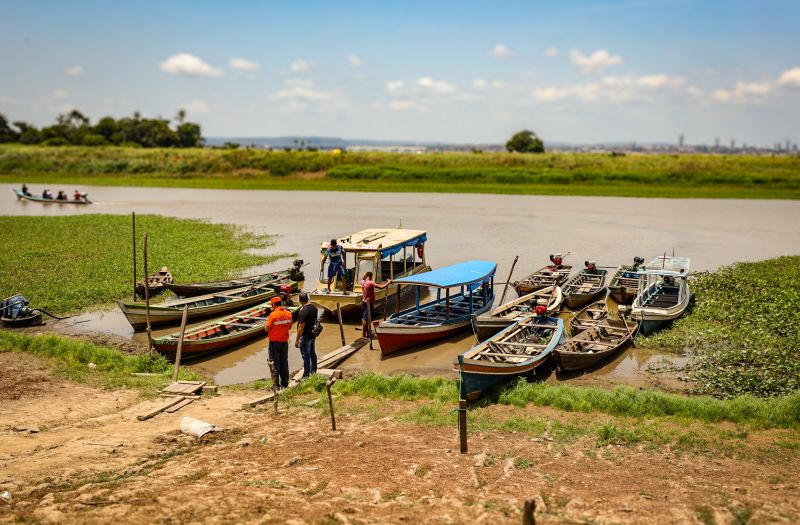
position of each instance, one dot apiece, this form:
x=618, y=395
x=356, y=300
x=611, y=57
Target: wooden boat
x=445, y=315
x=219, y=334
x=544, y=276
x=584, y=286
x=625, y=282
x=518, y=349
x=486, y=325
x=387, y=253
x=156, y=282
x=199, y=307
x=663, y=293
x=594, y=344
x=15, y=313
x=591, y=315
x=21, y=196
x=292, y=276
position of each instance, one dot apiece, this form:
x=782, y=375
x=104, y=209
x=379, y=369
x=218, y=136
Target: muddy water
x=609, y=230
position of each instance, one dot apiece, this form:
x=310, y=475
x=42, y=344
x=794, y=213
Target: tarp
x=456, y=275
x=391, y=250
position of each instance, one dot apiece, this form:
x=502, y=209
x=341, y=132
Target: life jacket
x=279, y=323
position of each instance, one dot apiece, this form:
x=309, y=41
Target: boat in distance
x=446, y=314
x=27, y=197
x=292, y=277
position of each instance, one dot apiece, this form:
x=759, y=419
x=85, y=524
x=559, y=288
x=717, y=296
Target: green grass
x=707, y=176
x=64, y=264
x=742, y=329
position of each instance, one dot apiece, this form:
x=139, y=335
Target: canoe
x=584, y=286
x=219, y=334
x=517, y=350
x=594, y=344
x=156, y=282
x=447, y=314
x=291, y=277
x=34, y=198
x=199, y=307
x=543, y=277
x=625, y=282
x=485, y=326
x=591, y=315
x=664, y=293
x=15, y=313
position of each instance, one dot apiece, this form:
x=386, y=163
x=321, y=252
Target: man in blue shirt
x=335, y=256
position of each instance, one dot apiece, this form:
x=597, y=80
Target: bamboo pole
x=341, y=324
x=133, y=225
x=147, y=298
x=503, y=298
x=180, y=343
x=328, y=384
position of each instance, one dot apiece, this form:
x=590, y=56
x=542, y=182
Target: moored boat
x=27, y=197
x=584, y=286
x=490, y=323
x=518, y=349
x=625, y=282
x=447, y=314
x=554, y=273
x=156, y=283
x=663, y=293
x=594, y=344
x=292, y=276
x=591, y=315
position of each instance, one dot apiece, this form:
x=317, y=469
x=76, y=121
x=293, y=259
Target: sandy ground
x=89, y=460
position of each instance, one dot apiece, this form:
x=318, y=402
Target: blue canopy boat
x=445, y=315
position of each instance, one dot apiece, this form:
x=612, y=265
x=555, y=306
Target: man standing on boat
x=278, y=325
x=306, y=340
x=335, y=256
x=368, y=287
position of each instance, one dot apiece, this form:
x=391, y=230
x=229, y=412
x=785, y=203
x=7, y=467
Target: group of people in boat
x=62, y=195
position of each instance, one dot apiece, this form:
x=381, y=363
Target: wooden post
x=505, y=289
x=147, y=298
x=133, y=224
x=341, y=325
x=397, y=306
x=180, y=343
x=274, y=373
x=622, y=310
x=328, y=384
x=369, y=324
x=447, y=304
x=462, y=424
x=529, y=512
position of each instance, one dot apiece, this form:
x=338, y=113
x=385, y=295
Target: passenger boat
x=594, y=344
x=543, y=277
x=387, y=253
x=22, y=196
x=156, y=282
x=584, y=286
x=625, y=282
x=518, y=349
x=219, y=334
x=15, y=313
x=199, y=307
x=292, y=276
x=445, y=315
x=591, y=315
x=663, y=293
x=486, y=325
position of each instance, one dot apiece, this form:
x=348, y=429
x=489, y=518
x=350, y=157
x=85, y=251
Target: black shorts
x=367, y=309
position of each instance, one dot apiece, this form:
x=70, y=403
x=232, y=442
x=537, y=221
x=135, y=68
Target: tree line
x=74, y=128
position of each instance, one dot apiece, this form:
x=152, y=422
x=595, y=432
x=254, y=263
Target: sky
x=465, y=72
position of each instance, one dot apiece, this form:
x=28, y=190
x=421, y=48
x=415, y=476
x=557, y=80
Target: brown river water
x=609, y=230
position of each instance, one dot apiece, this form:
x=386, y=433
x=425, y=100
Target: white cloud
x=585, y=92
x=501, y=52
x=694, y=91
x=299, y=95
x=60, y=93
x=656, y=81
x=722, y=95
x=743, y=92
x=242, y=64
x=403, y=105
x=9, y=101
x=790, y=77
x=395, y=87
x=196, y=107
x=596, y=62
x=74, y=71
x=551, y=52
x=300, y=66
x=479, y=84
x=355, y=61
x=434, y=87
x=189, y=65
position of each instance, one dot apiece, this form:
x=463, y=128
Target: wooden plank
x=175, y=408
x=184, y=382
x=330, y=372
x=159, y=409
x=259, y=400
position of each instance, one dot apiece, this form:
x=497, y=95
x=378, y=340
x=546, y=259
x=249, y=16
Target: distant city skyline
x=457, y=72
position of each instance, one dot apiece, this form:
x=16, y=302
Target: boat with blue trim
x=663, y=293
x=625, y=282
x=448, y=313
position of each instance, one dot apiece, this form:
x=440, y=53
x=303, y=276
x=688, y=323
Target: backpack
x=317, y=328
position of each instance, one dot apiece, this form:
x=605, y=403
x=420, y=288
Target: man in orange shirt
x=279, y=323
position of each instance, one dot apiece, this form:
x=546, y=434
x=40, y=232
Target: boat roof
x=666, y=265
x=456, y=275
x=373, y=239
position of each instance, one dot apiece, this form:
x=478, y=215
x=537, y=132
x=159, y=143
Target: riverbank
x=675, y=176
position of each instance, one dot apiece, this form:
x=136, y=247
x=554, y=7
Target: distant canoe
x=156, y=283
x=591, y=315
x=291, y=277
x=505, y=315
x=594, y=344
x=34, y=198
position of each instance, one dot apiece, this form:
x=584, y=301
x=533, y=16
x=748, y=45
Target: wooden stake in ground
x=462, y=424
x=328, y=384
x=180, y=343
x=133, y=225
x=529, y=512
x=505, y=289
x=341, y=325
x=147, y=299
x=274, y=373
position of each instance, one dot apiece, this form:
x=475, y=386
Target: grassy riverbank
x=692, y=176
x=64, y=264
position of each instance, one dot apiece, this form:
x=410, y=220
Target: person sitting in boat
x=335, y=257
x=77, y=195
x=368, y=287
x=46, y=194
x=61, y=196
x=25, y=190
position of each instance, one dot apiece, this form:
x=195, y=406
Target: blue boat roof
x=456, y=275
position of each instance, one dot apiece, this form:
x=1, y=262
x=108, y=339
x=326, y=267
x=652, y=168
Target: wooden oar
x=622, y=310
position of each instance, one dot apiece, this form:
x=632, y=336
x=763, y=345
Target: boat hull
x=32, y=198
x=651, y=319
x=394, y=339
x=195, y=290
x=622, y=294
x=579, y=300
x=351, y=303
x=193, y=348
x=476, y=379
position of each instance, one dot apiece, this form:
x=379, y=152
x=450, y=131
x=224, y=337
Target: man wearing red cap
x=279, y=323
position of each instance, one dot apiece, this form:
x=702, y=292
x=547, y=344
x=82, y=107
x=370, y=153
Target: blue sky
x=468, y=71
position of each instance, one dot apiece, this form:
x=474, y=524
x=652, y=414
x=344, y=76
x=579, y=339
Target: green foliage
x=64, y=264
x=7, y=133
x=525, y=141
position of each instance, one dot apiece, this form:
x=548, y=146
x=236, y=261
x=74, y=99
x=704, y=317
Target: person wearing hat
x=305, y=339
x=335, y=256
x=279, y=322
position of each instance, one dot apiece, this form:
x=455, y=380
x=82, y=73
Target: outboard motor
x=590, y=265
x=295, y=274
x=286, y=294
x=556, y=259
x=637, y=261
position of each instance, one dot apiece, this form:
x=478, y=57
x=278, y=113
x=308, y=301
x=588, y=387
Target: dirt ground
x=69, y=453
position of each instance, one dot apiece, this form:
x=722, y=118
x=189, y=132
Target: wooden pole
x=462, y=424
x=397, y=306
x=503, y=297
x=133, y=225
x=622, y=311
x=180, y=343
x=147, y=298
x=369, y=324
x=328, y=384
x=341, y=324
x=529, y=512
